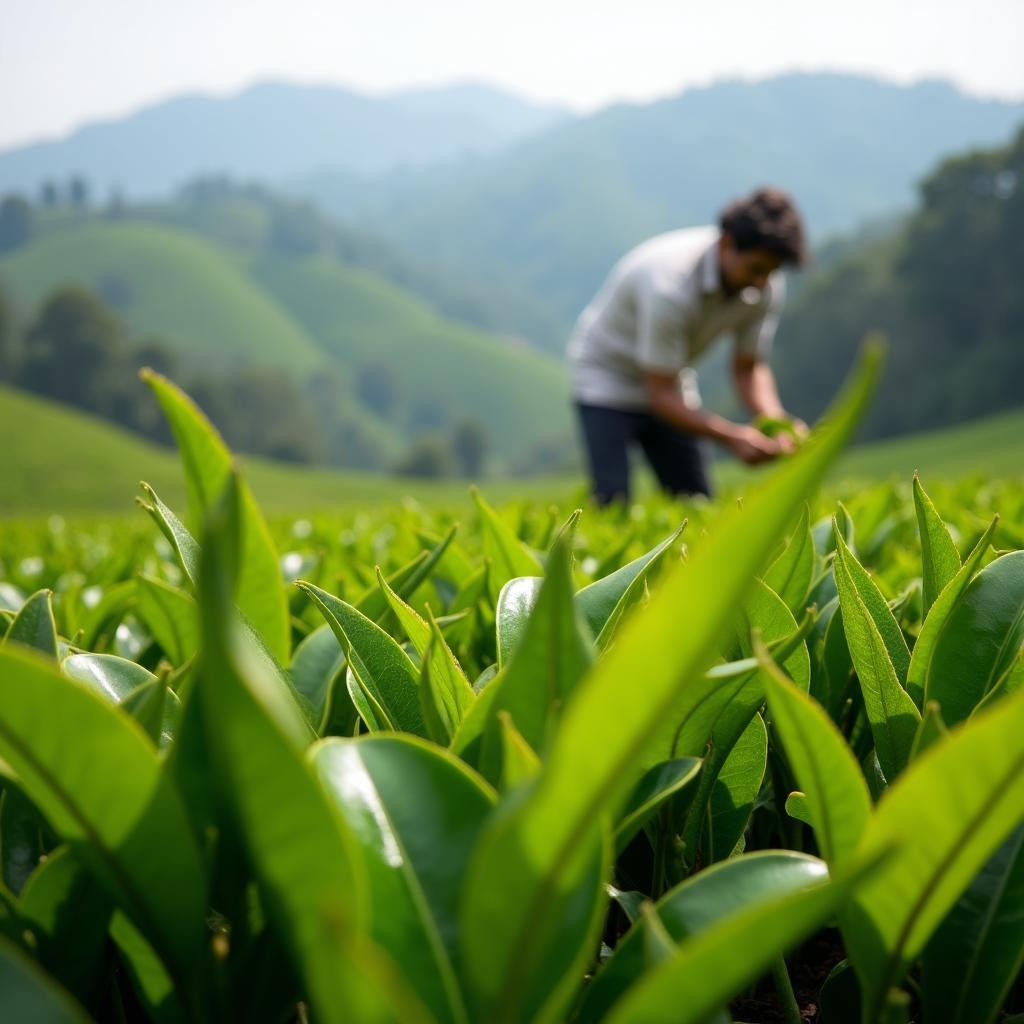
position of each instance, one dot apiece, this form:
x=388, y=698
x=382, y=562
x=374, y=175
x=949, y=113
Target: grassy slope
x=359, y=317
x=57, y=460
x=186, y=290
x=207, y=301
x=993, y=446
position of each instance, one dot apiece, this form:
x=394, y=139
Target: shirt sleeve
x=660, y=345
x=756, y=337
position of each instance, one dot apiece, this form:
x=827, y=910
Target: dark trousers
x=608, y=434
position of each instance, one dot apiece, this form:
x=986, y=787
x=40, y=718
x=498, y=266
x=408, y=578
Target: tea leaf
x=515, y=604
x=408, y=801
x=407, y=580
x=174, y=530
x=553, y=655
x=658, y=784
x=316, y=666
x=34, y=625
x=24, y=837
x=107, y=674
x=736, y=789
x=946, y=816
x=509, y=556
x=931, y=729
x=893, y=715
x=98, y=780
x=448, y=681
x=317, y=888
x=156, y=708
x=759, y=902
x=973, y=958
x=27, y=993
x=170, y=615
x=68, y=913
x=519, y=762
x=125, y=683
x=381, y=667
x=924, y=649
x=848, y=569
x=533, y=858
x=604, y=602
x=207, y=464
x=791, y=573
x=726, y=712
x=798, y=808
x=979, y=640
x=152, y=984
x=833, y=787
x=939, y=557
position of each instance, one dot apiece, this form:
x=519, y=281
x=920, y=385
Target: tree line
x=76, y=350
x=945, y=287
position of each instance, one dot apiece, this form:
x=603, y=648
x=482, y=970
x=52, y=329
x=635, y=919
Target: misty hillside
x=218, y=309
x=553, y=213
x=275, y=130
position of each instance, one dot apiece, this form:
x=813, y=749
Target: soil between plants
x=808, y=967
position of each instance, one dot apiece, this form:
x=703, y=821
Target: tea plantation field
x=69, y=463
x=502, y=760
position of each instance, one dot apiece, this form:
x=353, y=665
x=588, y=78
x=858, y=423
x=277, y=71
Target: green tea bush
x=611, y=766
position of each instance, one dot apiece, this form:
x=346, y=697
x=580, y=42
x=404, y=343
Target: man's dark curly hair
x=766, y=219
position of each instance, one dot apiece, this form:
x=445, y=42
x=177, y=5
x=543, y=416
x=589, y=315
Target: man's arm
x=746, y=442
x=755, y=384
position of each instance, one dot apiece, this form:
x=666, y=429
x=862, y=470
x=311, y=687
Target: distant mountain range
x=528, y=203
x=276, y=130
x=550, y=214
x=471, y=206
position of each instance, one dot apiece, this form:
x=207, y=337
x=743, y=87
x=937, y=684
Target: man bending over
x=663, y=305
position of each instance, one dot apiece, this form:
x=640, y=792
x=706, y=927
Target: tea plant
x=556, y=767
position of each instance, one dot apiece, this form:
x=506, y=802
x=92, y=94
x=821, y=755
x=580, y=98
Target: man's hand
x=753, y=447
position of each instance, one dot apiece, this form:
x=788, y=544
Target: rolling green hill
x=165, y=282
x=552, y=213
x=55, y=460
x=359, y=318
x=217, y=307
x=992, y=446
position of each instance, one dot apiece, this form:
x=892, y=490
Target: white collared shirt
x=659, y=310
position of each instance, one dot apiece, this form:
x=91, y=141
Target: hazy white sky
x=63, y=62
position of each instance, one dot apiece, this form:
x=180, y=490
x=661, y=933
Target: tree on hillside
x=127, y=401
x=469, y=447
x=71, y=347
x=49, y=196
x=260, y=411
x=377, y=386
x=428, y=457
x=116, y=289
x=78, y=192
x=297, y=229
x=116, y=206
x=7, y=354
x=944, y=288
x=347, y=439
x=15, y=222
x=965, y=249
x=349, y=443
x=426, y=413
